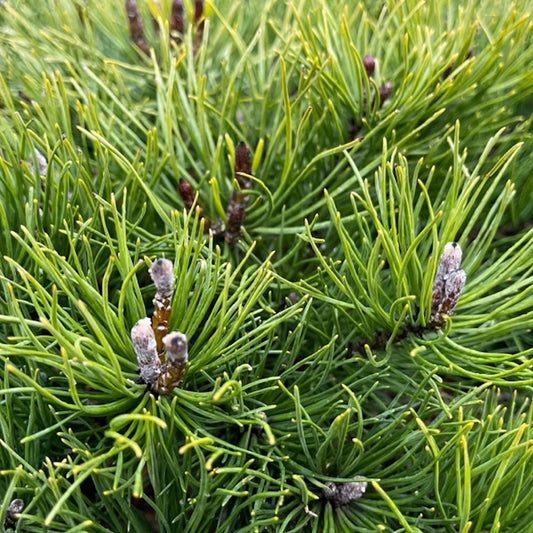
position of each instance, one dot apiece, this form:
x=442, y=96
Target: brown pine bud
x=450, y=260
x=186, y=192
x=176, y=20
x=188, y=196
x=369, y=63
x=145, y=347
x=235, y=214
x=237, y=204
x=199, y=22
x=448, y=284
x=136, y=26
x=198, y=10
x=243, y=164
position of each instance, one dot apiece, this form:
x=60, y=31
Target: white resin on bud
x=176, y=348
x=343, y=493
x=450, y=258
x=449, y=283
x=145, y=346
x=162, y=274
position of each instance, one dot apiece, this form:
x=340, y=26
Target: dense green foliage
x=311, y=356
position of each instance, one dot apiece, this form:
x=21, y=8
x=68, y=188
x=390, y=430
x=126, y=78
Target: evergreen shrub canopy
x=306, y=166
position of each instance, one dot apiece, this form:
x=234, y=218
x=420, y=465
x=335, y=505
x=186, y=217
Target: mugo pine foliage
x=266, y=266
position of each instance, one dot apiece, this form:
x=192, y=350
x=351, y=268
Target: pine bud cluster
x=162, y=356
x=237, y=205
x=239, y=199
x=176, y=23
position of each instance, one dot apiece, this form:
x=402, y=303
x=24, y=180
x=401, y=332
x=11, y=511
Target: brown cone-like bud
x=136, y=26
x=235, y=213
x=176, y=20
x=186, y=192
x=237, y=204
x=450, y=260
x=448, y=284
x=243, y=164
x=369, y=63
x=199, y=21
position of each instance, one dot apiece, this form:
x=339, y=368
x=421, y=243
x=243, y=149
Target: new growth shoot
x=162, y=357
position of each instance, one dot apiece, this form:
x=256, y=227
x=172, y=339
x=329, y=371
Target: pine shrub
x=339, y=195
